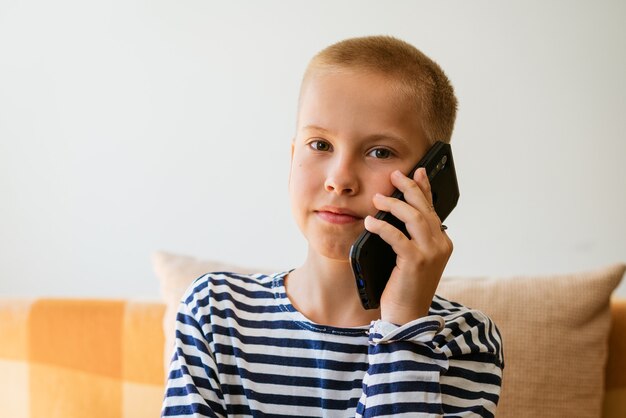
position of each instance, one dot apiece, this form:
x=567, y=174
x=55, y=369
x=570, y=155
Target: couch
x=564, y=340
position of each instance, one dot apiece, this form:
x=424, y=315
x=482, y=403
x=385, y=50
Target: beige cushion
x=555, y=335
x=555, y=330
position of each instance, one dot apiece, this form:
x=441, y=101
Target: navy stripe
x=191, y=341
x=417, y=329
x=291, y=381
x=278, y=324
x=480, y=326
x=198, y=286
x=194, y=408
x=408, y=346
x=468, y=394
x=308, y=401
x=305, y=362
x=468, y=338
x=478, y=410
x=493, y=332
x=403, y=366
x=228, y=315
x=437, y=304
x=487, y=358
x=253, y=279
x=474, y=376
x=238, y=409
x=244, y=307
x=402, y=408
x=395, y=387
x=309, y=344
x=251, y=294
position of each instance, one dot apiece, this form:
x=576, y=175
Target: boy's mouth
x=337, y=215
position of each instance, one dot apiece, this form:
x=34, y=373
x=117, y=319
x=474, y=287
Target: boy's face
x=353, y=131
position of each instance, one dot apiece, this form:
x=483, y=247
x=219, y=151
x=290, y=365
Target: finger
x=421, y=178
x=390, y=234
x=420, y=230
x=418, y=194
x=415, y=222
x=412, y=189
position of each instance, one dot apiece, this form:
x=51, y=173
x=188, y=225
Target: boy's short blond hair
x=421, y=79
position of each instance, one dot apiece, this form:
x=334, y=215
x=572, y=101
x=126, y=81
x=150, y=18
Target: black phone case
x=372, y=259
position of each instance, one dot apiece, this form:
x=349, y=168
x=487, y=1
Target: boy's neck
x=324, y=291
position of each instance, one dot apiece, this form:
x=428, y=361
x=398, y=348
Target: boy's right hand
x=420, y=260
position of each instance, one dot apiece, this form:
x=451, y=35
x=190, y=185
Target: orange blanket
x=81, y=358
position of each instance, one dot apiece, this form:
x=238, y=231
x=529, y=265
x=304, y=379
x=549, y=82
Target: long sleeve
x=193, y=388
x=432, y=367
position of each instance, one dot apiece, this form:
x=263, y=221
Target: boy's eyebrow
x=386, y=136
x=372, y=137
x=316, y=128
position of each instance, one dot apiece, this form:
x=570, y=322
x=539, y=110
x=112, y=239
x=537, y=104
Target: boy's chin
x=333, y=250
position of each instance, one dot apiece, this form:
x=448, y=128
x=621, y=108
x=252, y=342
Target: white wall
x=131, y=126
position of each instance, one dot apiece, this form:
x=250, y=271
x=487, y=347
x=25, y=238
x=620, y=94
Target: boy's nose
x=342, y=180
x=339, y=188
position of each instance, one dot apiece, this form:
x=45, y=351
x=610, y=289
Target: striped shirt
x=242, y=349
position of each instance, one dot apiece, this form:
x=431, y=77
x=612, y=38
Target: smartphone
x=372, y=259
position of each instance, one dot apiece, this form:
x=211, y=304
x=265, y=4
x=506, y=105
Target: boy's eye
x=381, y=153
x=319, y=145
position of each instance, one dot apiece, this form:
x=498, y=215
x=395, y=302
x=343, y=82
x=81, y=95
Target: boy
x=299, y=343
